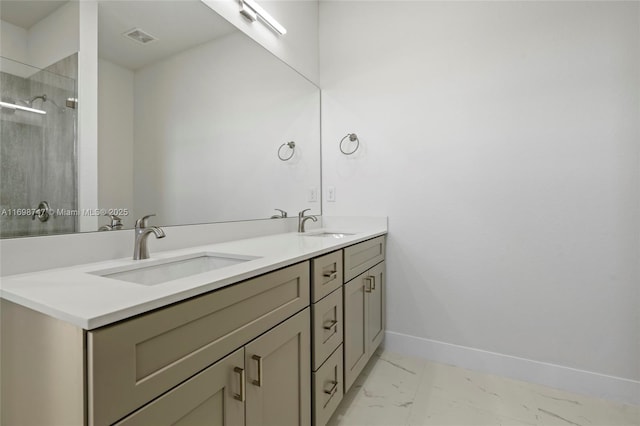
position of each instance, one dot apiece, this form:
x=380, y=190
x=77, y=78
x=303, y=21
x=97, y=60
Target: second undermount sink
x=164, y=270
x=330, y=234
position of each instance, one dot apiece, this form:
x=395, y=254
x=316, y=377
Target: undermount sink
x=164, y=270
x=330, y=234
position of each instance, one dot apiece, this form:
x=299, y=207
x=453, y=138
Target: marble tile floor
x=398, y=390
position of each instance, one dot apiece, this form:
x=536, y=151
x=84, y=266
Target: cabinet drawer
x=212, y=397
x=132, y=362
x=360, y=257
x=327, y=274
x=327, y=326
x=327, y=388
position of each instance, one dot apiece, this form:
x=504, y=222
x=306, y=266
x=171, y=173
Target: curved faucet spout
x=302, y=219
x=157, y=231
x=141, y=249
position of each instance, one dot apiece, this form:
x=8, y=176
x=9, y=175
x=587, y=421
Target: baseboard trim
x=557, y=376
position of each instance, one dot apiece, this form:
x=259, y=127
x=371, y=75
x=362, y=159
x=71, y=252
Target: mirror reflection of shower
x=69, y=102
x=38, y=132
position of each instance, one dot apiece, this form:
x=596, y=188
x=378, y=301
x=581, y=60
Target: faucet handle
x=115, y=220
x=142, y=222
x=301, y=214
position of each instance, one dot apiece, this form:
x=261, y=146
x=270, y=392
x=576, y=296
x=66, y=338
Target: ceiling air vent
x=139, y=36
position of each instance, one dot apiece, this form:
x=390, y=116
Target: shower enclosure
x=38, y=148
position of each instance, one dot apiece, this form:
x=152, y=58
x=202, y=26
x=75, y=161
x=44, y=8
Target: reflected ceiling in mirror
x=192, y=120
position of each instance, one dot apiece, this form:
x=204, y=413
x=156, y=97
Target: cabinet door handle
x=367, y=284
x=330, y=325
x=240, y=396
x=373, y=282
x=333, y=389
x=259, y=381
x=331, y=275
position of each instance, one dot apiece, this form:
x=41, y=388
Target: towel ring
x=352, y=138
x=291, y=145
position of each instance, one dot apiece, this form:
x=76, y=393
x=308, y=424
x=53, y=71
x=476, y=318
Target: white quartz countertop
x=90, y=301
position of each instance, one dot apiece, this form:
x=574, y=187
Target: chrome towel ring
x=352, y=138
x=291, y=145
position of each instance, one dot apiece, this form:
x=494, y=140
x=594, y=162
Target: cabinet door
x=375, y=301
x=279, y=375
x=356, y=309
x=212, y=397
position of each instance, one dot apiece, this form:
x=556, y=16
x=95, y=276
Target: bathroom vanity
x=275, y=339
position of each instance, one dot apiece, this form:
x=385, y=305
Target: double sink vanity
x=263, y=331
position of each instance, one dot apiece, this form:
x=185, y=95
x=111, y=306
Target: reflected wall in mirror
x=190, y=122
x=206, y=109
x=38, y=164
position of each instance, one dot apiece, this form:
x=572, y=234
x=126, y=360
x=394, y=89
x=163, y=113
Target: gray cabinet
x=358, y=258
x=279, y=375
x=327, y=328
x=213, y=397
x=327, y=388
x=364, y=320
x=268, y=380
x=132, y=362
x=278, y=349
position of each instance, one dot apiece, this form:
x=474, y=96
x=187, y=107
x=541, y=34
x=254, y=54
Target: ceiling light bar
x=21, y=108
x=250, y=9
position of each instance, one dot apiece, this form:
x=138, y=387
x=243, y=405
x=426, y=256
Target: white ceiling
x=26, y=13
x=178, y=25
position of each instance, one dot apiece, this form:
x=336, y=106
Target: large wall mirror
x=197, y=123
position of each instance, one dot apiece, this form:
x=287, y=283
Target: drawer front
x=327, y=327
x=360, y=257
x=132, y=362
x=327, y=274
x=327, y=388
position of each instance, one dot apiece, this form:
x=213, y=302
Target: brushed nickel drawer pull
x=259, y=381
x=331, y=275
x=330, y=325
x=367, y=284
x=333, y=389
x=241, y=396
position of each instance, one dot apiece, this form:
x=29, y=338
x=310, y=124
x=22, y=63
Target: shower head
x=30, y=101
x=43, y=97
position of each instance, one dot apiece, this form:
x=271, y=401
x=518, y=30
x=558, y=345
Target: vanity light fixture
x=21, y=108
x=252, y=10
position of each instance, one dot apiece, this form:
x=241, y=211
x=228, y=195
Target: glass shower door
x=38, y=161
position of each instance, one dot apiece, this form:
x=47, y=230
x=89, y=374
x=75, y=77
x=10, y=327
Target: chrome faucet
x=140, y=249
x=115, y=225
x=302, y=219
x=279, y=216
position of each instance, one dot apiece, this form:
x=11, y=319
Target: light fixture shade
x=249, y=9
x=21, y=108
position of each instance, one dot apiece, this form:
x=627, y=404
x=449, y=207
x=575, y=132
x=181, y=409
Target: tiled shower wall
x=38, y=152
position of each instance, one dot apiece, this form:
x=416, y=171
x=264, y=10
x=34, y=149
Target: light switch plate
x=331, y=194
x=313, y=194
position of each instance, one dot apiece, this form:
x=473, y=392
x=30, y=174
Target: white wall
x=115, y=139
x=502, y=140
x=88, y=114
x=55, y=37
x=298, y=48
x=13, y=42
x=207, y=133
